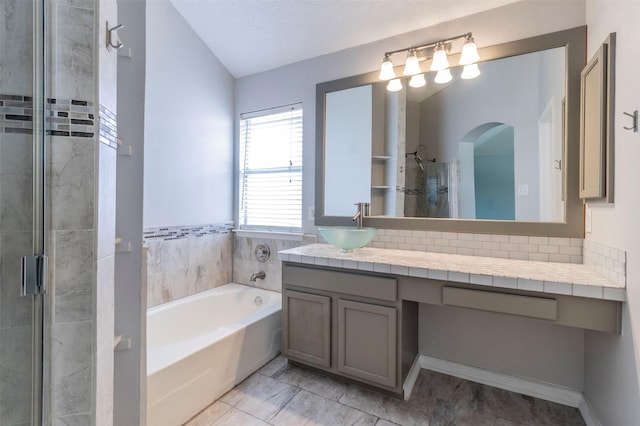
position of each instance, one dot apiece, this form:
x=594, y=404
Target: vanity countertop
x=546, y=277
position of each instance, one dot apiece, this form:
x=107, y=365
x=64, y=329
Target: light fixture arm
x=388, y=55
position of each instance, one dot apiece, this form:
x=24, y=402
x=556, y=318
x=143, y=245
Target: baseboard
x=588, y=414
x=532, y=388
x=412, y=376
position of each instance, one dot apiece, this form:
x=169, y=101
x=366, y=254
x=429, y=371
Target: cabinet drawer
x=528, y=306
x=373, y=287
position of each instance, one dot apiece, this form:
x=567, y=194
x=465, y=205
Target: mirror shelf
x=386, y=167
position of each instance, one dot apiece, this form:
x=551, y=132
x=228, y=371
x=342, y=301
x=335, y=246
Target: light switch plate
x=523, y=190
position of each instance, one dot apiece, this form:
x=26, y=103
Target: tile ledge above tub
x=545, y=277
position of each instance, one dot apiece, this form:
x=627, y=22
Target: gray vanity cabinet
x=367, y=341
x=307, y=327
x=348, y=324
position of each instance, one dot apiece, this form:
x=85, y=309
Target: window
x=270, y=181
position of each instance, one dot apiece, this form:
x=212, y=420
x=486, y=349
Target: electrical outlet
x=523, y=190
x=312, y=213
x=587, y=221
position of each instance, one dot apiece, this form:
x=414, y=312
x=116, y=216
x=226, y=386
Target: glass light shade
x=386, y=70
x=417, y=81
x=394, y=85
x=470, y=71
x=469, y=53
x=412, y=67
x=439, y=61
x=443, y=76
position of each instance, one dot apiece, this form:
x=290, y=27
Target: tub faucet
x=259, y=276
x=363, y=211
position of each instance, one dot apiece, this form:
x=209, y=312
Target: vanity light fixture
x=394, y=85
x=439, y=62
x=443, y=76
x=417, y=80
x=411, y=66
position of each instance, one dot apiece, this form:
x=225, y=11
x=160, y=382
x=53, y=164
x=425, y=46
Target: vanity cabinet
x=367, y=341
x=308, y=327
x=348, y=324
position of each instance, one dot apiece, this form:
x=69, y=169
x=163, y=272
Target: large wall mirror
x=495, y=154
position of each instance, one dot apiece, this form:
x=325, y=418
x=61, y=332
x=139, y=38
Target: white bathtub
x=200, y=346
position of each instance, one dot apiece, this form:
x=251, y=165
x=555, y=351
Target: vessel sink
x=347, y=238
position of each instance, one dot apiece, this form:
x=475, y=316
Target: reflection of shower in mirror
x=431, y=188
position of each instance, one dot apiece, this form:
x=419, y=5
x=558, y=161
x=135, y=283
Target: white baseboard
x=532, y=388
x=588, y=414
x=414, y=371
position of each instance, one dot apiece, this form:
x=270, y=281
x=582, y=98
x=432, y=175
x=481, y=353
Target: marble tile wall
x=545, y=249
x=245, y=263
x=81, y=187
x=186, y=260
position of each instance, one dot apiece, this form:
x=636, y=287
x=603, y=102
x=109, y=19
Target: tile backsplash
x=522, y=247
x=607, y=261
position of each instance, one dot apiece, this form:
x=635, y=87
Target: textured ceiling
x=250, y=36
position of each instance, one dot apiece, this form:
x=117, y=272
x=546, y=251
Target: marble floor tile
x=235, y=417
x=312, y=382
x=260, y=396
x=307, y=409
x=210, y=415
x=273, y=366
x=285, y=395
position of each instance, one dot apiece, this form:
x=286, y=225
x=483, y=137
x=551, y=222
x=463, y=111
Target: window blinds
x=270, y=181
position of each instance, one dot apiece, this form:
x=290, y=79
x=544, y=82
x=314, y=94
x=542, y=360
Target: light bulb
x=469, y=54
x=439, y=61
x=386, y=70
x=470, y=71
x=443, y=76
x=417, y=81
x=394, y=85
x=412, y=67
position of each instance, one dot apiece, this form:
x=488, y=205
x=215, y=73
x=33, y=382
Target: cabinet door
x=367, y=342
x=307, y=328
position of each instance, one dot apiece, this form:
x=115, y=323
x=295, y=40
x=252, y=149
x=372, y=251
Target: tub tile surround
x=181, y=261
x=245, y=263
x=296, y=396
x=530, y=275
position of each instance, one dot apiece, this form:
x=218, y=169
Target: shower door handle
x=34, y=275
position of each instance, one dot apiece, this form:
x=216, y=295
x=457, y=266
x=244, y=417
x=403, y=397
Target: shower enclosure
x=23, y=261
x=431, y=188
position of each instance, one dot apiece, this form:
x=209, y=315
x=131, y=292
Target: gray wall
x=188, y=171
x=296, y=83
x=612, y=362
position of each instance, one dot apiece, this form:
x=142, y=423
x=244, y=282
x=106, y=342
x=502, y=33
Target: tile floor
x=284, y=395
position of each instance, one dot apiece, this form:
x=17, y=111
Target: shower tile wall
x=15, y=217
x=81, y=186
x=181, y=261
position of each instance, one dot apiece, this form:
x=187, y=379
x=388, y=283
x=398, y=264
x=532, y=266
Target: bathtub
x=200, y=346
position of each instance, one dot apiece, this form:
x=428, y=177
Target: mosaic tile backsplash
x=64, y=117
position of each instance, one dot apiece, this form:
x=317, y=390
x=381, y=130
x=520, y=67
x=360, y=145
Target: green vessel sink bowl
x=347, y=238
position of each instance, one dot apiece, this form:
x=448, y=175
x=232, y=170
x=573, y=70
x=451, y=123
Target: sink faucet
x=259, y=276
x=363, y=210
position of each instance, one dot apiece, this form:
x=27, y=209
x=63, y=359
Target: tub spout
x=259, y=276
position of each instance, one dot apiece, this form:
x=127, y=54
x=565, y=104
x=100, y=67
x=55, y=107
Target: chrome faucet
x=259, y=276
x=363, y=211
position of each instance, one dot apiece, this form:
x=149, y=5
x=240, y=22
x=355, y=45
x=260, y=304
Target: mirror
x=496, y=154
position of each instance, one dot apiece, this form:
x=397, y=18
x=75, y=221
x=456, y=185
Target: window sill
x=289, y=236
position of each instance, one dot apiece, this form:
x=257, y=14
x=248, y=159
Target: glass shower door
x=22, y=172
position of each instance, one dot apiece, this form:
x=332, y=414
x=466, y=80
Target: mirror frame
x=574, y=40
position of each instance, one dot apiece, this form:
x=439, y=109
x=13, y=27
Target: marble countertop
x=546, y=277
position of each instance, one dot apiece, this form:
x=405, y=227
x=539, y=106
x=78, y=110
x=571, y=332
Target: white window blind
x=270, y=180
